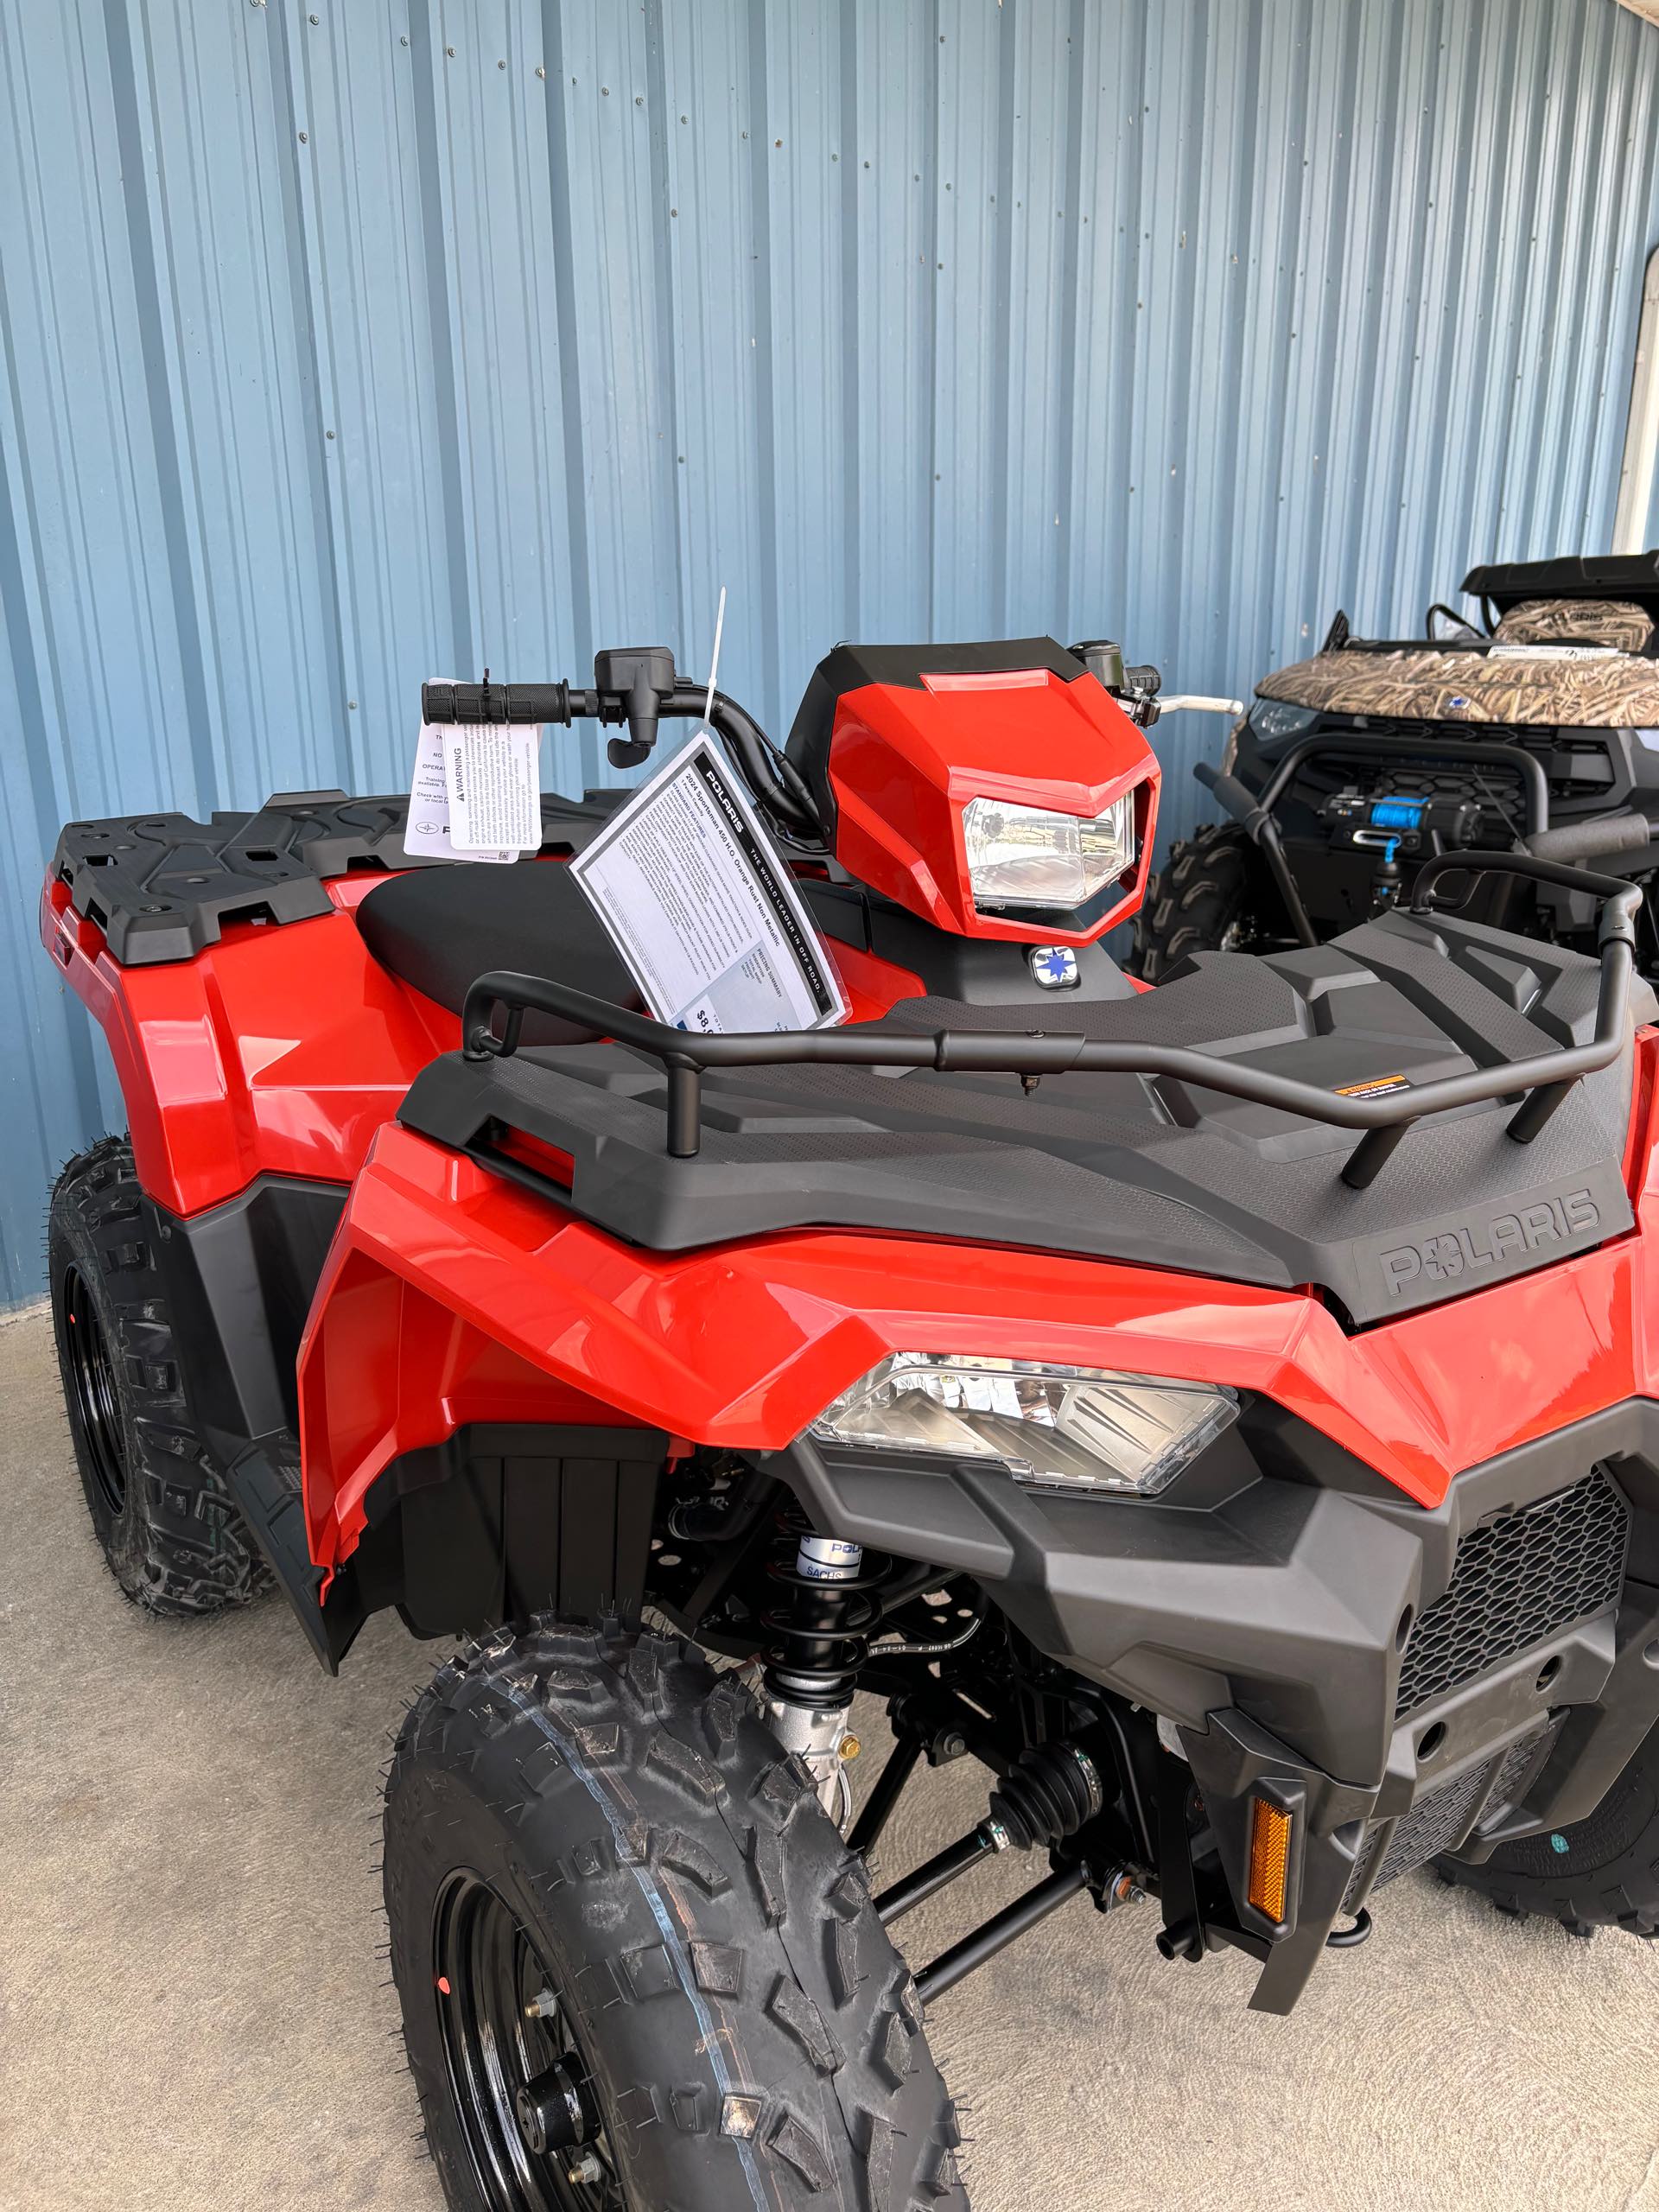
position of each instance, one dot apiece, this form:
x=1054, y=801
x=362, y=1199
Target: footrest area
x=265, y=1481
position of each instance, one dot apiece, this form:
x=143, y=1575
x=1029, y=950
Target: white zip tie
x=714, y=659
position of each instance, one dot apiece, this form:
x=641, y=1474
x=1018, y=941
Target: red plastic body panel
x=281, y=1049
x=904, y=763
x=451, y=1295
x=744, y=1345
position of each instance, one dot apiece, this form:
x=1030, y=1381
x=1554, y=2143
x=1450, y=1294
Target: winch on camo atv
x=1225, y=1411
x=1537, y=733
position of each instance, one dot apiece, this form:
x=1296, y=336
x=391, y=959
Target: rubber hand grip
x=1243, y=805
x=495, y=703
x=1625, y=832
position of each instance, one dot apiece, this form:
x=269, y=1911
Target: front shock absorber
x=818, y=1639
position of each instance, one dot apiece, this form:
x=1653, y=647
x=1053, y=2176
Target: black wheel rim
x=504, y=2027
x=91, y=1380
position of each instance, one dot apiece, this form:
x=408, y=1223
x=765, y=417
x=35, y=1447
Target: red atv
x=1225, y=1411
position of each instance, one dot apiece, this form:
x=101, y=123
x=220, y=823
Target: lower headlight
x=1064, y=1428
x=1277, y=718
x=1031, y=856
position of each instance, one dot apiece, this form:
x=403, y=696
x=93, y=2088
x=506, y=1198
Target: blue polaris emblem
x=1055, y=967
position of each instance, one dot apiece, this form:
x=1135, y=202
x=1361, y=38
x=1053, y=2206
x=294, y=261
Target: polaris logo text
x=1460, y=1252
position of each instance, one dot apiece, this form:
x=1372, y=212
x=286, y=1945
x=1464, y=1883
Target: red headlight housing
x=996, y=790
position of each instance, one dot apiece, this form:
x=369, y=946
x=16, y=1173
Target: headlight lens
x=1071, y=1428
x=1279, y=718
x=1028, y=856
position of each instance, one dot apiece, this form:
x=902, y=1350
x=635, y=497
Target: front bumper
x=1406, y=1680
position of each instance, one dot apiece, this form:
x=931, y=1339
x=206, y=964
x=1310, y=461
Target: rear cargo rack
x=1546, y=1078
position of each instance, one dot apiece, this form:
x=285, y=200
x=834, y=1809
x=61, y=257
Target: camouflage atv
x=1536, y=731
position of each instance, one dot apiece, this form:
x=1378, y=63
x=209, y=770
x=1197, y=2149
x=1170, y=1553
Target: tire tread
x=1210, y=881
x=695, y=1812
x=178, y=1547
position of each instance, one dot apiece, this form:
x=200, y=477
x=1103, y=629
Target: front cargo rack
x=1546, y=1078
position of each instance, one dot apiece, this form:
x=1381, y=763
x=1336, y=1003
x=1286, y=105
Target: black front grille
x=1441, y=1818
x=1434, y=1823
x=1520, y=1577
x=1575, y=767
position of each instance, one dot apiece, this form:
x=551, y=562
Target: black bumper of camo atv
x=1610, y=773
x=1406, y=1682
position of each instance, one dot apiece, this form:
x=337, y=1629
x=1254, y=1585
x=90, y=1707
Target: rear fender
x=273, y=1051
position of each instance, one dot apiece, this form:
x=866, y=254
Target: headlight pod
x=1031, y=856
x=1275, y=718
x=1073, y=1428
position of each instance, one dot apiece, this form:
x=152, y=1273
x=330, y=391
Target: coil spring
x=820, y=1639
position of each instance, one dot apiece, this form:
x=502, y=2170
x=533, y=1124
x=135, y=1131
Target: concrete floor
x=193, y=2014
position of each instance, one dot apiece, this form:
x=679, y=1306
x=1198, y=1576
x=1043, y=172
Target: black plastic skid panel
x=1262, y=1604
x=161, y=886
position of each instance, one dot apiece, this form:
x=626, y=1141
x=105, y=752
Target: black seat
x=439, y=929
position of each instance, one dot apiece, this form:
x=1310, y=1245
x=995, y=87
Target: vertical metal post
x=1641, y=430
x=684, y=1109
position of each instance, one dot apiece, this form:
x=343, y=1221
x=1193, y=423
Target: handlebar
x=774, y=782
x=1627, y=832
x=1243, y=805
x=500, y=702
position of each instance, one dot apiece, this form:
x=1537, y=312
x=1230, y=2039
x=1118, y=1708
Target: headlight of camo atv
x=1279, y=718
x=1060, y=1428
x=1029, y=856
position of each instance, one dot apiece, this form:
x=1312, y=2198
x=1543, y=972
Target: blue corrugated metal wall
x=348, y=341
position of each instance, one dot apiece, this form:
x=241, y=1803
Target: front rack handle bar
x=1547, y=1077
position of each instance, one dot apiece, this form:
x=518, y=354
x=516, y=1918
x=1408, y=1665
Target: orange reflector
x=1270, y=1858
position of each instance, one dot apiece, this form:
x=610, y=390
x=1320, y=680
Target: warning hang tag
x=426, y=834
x=701, y=908
x=493, y=778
